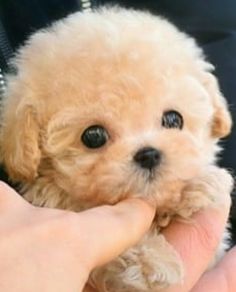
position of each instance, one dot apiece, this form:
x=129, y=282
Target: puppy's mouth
x=150, y=176
x=144, y=181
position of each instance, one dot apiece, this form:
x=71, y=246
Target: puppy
x=112, y=104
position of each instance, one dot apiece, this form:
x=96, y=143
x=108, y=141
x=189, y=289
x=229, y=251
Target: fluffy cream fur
x=121, y=69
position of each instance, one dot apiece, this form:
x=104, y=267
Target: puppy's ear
x=222, y=122
x=19, y=140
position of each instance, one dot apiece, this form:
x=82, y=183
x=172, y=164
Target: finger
x=109, y=230
x=221, y=278
x=197, y=243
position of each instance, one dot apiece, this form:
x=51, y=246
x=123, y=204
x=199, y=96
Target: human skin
x=196, y=243
x=54, y=250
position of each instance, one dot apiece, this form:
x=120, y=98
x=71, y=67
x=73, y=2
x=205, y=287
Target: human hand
x=42, y=245
x=54, y=250
x=196, y=243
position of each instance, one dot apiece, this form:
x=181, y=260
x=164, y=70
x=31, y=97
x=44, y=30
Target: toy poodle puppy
x=112, y=104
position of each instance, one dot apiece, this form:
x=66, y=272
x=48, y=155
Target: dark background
x=211, y=22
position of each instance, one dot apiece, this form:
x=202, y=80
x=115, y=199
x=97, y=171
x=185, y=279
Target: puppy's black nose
x=148, y=157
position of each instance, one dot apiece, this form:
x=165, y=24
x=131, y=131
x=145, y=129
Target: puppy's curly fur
x=123, y=70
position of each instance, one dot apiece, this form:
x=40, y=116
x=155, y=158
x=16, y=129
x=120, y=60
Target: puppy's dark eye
x=94, y=136
x=172, y=119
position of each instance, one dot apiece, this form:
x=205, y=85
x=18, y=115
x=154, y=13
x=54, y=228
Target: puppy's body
x=156, y=114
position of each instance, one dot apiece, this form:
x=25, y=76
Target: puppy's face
x=131, y=142
x=113, y=125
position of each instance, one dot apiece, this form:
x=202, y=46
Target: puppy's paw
x=220, y=182
x=148, y=267
x=162, y=266
x=212, y=188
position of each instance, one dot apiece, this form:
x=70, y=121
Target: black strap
x=6, y=51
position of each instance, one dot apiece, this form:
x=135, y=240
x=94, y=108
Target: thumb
x=108, y=231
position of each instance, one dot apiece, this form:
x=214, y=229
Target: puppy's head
x=112, y=104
